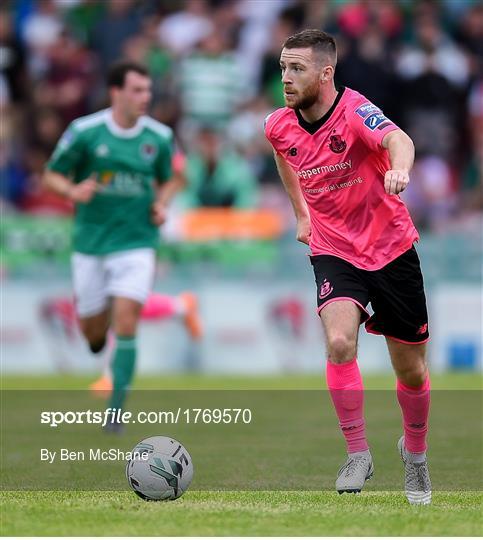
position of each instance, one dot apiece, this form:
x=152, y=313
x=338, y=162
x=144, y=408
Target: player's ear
x=327, y=74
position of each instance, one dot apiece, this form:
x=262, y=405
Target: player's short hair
x=318, y=41
x=116, y=75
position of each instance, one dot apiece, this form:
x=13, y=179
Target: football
x=160, y=469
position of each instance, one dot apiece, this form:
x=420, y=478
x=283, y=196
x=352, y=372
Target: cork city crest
x=148, y=151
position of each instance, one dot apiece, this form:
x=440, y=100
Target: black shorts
x=396, y=294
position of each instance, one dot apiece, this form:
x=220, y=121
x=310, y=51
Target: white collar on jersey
x=126, y=133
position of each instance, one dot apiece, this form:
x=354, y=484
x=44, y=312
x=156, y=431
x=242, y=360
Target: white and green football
x=160, y=469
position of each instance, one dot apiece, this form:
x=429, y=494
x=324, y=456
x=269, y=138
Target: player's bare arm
x=165, y=195
x=81, y=192
x=401, y=156
x=292, y=187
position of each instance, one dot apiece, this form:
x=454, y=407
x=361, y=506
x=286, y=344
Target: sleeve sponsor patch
x=375, y=120
x=388, y=123
x=366, y=109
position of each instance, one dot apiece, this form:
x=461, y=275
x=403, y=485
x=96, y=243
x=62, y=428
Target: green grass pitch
x=239, y=514
x=242, y=513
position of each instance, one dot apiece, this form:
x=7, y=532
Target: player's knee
x=96, y=338
x=341, y=348
x=126, y=325
x=415, y=375
x=418, y=376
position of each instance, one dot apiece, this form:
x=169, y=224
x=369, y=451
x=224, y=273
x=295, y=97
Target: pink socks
x=159, y=306
x=414, y=403
x=345, y=385
x=346, y=389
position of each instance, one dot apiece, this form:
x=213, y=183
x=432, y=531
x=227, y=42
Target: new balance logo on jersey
x=325, y=289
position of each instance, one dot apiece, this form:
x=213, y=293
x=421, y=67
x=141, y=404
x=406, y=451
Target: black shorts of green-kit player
x=395, y=292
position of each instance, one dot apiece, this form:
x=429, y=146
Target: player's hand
x=83, y=191
x=303, y=230
x=159, y=213
x=396, y=181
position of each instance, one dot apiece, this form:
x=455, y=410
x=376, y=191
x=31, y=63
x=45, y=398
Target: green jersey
x=127, y=164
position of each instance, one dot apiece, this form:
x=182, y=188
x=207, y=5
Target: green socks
x=122, y=369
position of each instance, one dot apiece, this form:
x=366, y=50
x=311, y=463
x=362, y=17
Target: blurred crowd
x=216, y=76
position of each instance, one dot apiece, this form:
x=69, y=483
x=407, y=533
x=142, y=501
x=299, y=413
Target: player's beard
x=308, y=98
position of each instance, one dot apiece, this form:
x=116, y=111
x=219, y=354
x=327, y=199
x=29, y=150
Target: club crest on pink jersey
x=325, y=289
x=337, y=144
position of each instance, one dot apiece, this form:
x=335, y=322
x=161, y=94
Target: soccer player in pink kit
x=343, y=164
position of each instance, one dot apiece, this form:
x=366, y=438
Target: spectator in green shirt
x=217, y=176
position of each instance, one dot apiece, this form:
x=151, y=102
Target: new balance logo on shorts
x=325, y=289
x=422, y=329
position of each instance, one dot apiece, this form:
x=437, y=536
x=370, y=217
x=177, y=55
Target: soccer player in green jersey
x=115, y=165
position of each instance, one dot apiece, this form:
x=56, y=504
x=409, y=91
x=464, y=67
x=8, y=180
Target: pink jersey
x=341, y=165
